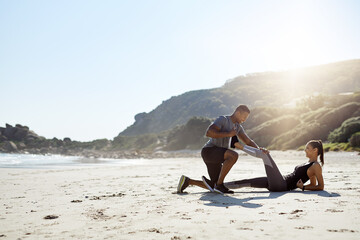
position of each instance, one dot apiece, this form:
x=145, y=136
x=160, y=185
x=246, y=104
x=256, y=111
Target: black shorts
x=213, y=158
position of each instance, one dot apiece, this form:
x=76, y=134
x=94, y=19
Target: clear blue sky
x=83, y=69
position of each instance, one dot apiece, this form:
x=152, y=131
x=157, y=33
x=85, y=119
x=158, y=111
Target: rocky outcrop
x=16, y=138
x=18, y=133
x=9, y=146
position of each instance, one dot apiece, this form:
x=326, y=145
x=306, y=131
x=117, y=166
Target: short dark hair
x=243, y=108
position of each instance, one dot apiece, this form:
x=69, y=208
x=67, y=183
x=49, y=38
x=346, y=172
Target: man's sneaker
x=208, y=183
x=222, y=189
x=183, y=183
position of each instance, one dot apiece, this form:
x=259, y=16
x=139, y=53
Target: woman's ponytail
x=318, y=144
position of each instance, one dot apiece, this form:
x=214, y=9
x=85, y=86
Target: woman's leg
x=276, y=181
x=261, y=182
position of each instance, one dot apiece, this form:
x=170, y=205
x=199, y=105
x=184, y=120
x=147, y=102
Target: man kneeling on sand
x=216, y=154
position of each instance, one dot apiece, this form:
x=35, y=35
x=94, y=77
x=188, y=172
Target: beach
x=139, y=201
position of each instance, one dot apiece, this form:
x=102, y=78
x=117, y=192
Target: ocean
x=58, y=161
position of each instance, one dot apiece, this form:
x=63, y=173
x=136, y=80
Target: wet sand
x=140, y=202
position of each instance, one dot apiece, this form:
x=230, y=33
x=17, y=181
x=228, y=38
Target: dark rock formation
x=9, y=146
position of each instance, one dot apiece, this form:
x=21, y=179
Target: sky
x=83, y=69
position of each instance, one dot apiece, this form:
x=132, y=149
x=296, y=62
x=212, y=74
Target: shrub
x=190, y=135
x=355, y=140
x=344, y=132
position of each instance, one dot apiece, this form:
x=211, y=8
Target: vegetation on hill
x=268, y=89
x=282, y=128
x=320, y=117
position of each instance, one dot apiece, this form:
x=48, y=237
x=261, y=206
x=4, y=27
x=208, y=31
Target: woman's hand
x=300, y=184
x=264, y=150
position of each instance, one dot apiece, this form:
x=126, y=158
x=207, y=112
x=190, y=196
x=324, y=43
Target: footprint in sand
x=304, y=227
x=333, y=210
x=51, y=217
x=341, y=230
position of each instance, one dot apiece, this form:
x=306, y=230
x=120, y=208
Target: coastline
x=133, y=154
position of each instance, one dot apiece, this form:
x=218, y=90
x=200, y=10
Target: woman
x=274, y=181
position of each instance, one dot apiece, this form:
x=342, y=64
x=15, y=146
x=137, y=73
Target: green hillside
x=333, y=119
x=268, y=89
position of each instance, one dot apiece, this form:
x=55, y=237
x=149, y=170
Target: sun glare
x=293, y=50
x=294, y=45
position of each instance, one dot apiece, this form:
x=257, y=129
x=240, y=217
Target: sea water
x=58, y=161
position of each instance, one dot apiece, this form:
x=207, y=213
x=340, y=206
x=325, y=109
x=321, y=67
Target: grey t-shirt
x=226, y=125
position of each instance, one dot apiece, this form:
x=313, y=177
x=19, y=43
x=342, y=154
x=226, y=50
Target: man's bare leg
x=197, y=183
x=230, y=159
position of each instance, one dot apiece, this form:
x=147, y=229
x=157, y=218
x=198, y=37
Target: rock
x=3, y=138
x=29, y=139
x=43, y=150
x=2, y=130
x=10, y=131
x=140, y=116
x=22, y=127
x=34, y=135
x=10, y=146
x=20, y=134
x=21, y=146
x=67, y=140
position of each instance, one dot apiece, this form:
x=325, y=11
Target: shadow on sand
x=218, y=200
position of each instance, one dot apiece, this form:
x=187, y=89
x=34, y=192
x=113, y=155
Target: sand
x=139, y=202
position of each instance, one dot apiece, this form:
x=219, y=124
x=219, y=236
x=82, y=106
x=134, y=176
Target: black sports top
x=300, y=172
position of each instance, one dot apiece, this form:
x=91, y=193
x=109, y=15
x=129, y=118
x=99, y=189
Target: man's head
x=241, y=113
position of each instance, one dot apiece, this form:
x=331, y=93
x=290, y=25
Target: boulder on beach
x=9, y=146
x=10, y=131
x=18, y=133
x=21, y=145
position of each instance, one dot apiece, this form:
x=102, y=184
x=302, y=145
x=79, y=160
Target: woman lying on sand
x=274, y=180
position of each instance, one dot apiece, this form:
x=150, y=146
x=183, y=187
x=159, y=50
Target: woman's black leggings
x=273, y=181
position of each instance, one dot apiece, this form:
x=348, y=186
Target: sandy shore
x=139, y=202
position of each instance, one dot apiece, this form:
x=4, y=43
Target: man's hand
x=232, y=132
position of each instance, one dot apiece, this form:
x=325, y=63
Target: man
x=216, y=154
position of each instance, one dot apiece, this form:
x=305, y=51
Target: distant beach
x=139, y=201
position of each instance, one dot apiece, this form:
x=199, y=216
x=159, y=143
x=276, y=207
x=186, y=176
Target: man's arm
x=214, y=132
x=248, y=141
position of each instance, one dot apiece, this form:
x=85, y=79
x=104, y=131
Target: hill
x=334, y=119
x=267, y=89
